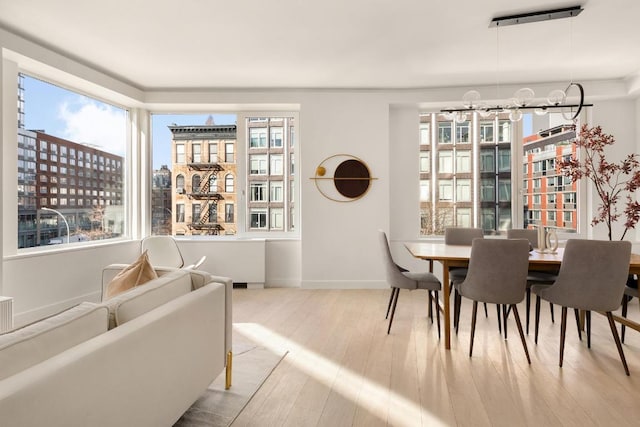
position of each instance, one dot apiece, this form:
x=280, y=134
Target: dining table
x=458, y=256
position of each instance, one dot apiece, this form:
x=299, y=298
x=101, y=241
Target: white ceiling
x=165, y=44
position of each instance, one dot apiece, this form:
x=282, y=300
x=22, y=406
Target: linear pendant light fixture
x=523, y=98
x=544, y=15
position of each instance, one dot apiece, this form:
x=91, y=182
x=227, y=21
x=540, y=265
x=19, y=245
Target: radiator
x=243, y=260
x=6, y=313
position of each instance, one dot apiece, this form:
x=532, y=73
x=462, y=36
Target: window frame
x=77, y=87
x=240, y=153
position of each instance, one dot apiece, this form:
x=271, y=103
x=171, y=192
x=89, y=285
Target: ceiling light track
x=543, y=15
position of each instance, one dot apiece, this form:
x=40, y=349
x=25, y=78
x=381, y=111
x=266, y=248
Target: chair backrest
x=524, y=233
x=393, y=275
x=162, y=251
x=461, y=236
x=593, y=274
x=497, y=271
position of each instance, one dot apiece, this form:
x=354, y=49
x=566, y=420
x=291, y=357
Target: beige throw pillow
x=136, y=274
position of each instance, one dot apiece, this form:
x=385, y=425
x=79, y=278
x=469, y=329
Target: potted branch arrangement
x=615, y=183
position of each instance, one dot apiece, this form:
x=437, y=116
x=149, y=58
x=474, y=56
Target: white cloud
x=87, y=121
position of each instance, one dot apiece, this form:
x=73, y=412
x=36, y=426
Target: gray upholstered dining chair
x=592, y=277
x=462, y=236
x=400, y=278
x=502, y=283
x=534, y=277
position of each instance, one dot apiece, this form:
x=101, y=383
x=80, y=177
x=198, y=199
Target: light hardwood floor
x=343, y=369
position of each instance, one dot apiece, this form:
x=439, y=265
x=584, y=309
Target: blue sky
x=81, y=119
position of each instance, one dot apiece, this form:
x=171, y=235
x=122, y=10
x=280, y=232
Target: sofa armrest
x=228, y=311
x=200, y=278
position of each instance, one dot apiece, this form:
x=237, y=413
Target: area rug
x=217, y=407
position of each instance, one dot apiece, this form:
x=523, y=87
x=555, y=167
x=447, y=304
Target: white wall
x=46, y=283
x=338, y=237
x=620, y=119
x=338, y=245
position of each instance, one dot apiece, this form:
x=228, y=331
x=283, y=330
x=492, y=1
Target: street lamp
x=61, y=216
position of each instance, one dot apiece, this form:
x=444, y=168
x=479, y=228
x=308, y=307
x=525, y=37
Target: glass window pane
x=71, y=123
x=445, y=189
x=463, y=161
x=486, y=131
x=487, y=161
x=425, y=134
x=463, y=190
x=444, y=132
x=425, y=161
x=462, y=132
x=425, y=190
x=445, y=161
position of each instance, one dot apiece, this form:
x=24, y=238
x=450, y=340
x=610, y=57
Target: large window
x=475, y=182
x=541, y=152
x=268, y=166
x=76, y=136
x=187, y=152
x=473, y=175
x=223, y=155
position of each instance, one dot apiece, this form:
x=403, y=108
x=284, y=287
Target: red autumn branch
x=612, y=181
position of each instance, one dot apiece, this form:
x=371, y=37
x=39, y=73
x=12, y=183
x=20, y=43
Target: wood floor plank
x=343, y=368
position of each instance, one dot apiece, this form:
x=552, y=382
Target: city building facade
x=271, y=183
x=204, y=179
x=161, y=213
x=550, y=199
x=81, y=182
x=465, y=172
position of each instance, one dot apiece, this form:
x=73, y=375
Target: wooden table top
x=442, y=252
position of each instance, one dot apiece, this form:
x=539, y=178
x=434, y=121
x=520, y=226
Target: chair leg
x=563, y=331
x=393, y=309
x=537, y=317
x=457, y=308
x=437, y=307
x=393, y=292
x=551, y=309
x=588, y=322
x=616, y=338
x=527, y=296
x=499, y=319
x=473, y=326
x=430, y=306
x=486, y=313
x=625, y=302
x=504, y=320
x=577, y=313
x=519, y=325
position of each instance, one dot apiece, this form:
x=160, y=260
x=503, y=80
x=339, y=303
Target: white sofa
x=168, y=340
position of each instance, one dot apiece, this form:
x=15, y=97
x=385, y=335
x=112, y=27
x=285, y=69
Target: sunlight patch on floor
x=369, y=395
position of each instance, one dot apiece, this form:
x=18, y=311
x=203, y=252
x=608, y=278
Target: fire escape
x=208, y=197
